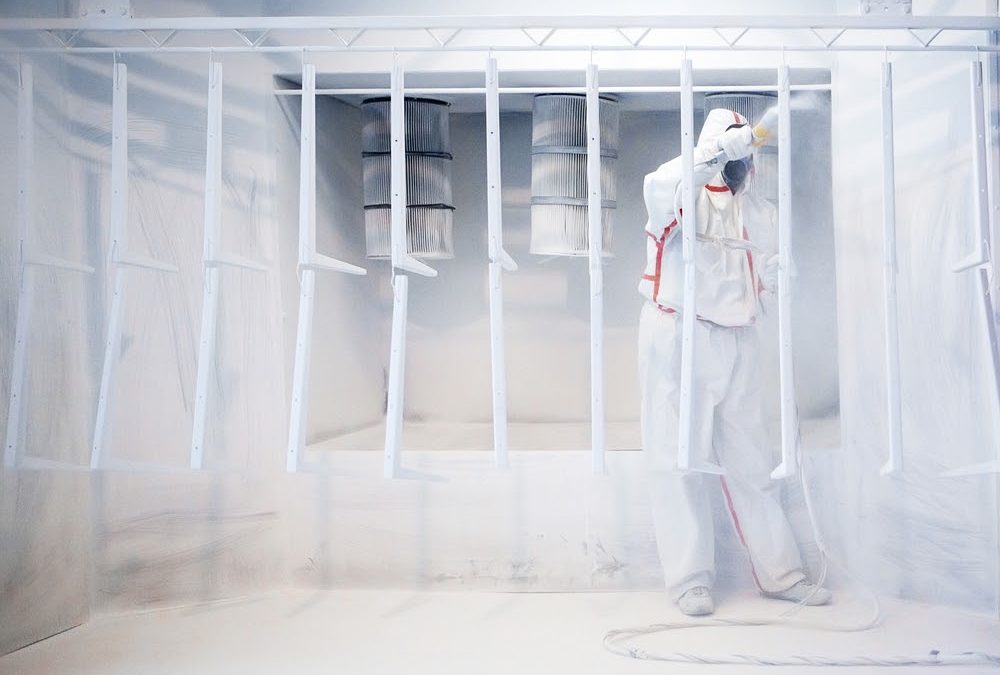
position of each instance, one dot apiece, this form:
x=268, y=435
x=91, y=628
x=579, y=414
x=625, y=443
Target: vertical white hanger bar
x=981, y=261
x=890, y=270
x=119, y=214
x=26, y=295
x=119, y=260
x=212, y=259
x=397, y=166
x=397, y=361
x=310, y=261
x=499, y=261
x=688, y=237
x=298, y=417
x=595, y=244
x=210, y=294
x=987, y=302
x=398, y=251
x=789, y=412
x=689, y=316
x=398, y=242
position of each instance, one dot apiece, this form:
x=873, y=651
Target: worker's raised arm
x=661, y=188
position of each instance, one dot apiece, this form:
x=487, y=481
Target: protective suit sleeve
x=661, y=188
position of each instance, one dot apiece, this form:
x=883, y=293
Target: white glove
x=736, y=143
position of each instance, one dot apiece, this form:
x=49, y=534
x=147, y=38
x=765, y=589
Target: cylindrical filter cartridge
x=428, y=177
x=559, y=223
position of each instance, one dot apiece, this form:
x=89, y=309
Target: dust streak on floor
x=372, y=631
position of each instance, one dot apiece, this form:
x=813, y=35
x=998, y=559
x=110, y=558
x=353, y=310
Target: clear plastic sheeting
x=298, y=347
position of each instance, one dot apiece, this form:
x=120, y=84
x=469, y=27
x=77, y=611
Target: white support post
x=499, y=262
x=298, y=417
x=404, y=262
x=889, y=271
x=689, y=230
x=30, y=257
x=310, y=261
x=119, y=259
x=400, y=283
x=401, y=258
x=595, y=249
x=25, y=300
x=981, y=261
x=397, y=364
x=212, y=259
x=119, y=213
x=210, y=295
x=789, y=412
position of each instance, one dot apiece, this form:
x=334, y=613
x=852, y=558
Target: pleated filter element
x=428, y=232
x=565, y=175
x=429, y=208
x=559, y=223
x=428, y=180
x=752, y=106
x=566, y=230
x=427, y=128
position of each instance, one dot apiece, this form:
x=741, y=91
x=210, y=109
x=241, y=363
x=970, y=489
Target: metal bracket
x=90, y=9
x=443, y=36
x=886, y=7
x=822, y=38
x=731, y=41
x=539, y=35
x=640, y=33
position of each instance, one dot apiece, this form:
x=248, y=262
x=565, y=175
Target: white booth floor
x=375, y=631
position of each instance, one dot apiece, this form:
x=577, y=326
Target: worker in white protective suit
x=727, y=411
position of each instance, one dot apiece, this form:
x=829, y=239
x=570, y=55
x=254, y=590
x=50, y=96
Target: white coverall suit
x=727, y=411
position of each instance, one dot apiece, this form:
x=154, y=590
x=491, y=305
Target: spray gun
x=763, y=131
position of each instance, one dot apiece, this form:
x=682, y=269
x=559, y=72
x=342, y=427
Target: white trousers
x=727, y=419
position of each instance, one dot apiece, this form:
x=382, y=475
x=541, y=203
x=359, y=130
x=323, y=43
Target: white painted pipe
x=299, y=416
x=310, y=261
x=634, y=89
x=688, y=241
x=789, y=412
x=397, y=166
x=119, y=214
x=981, y=261
x=26, y=294
x=494, y=225
x=210, y=294
x=212, y=260
x=689, y=316
x=596, y=247
x=22, y=334
x=398, y=252
x=501, y=22
x=889, y=269
x=119, y=260
x=397, y=368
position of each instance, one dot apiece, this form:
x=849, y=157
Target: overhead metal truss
x=500, y=33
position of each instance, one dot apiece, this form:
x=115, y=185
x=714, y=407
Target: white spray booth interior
x=229, y=368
